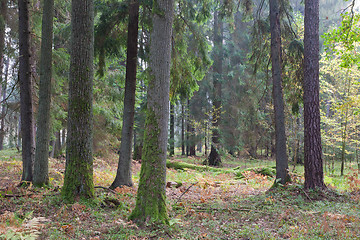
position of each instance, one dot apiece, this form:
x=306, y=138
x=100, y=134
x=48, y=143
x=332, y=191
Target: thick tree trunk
x=78, y=180
x=276, y=58
x=26, y=108
x=172, y=130
x=123, y=175
x=150, y=201
x=314, y=175
x=214, y=157
x=41, y=164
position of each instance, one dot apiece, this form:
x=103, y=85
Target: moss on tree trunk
x=150, y=202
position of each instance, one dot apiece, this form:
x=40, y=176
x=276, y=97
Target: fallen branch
x=185, y=192
x=28, y=195
x=307, y=195
x=200, y=209
x=107, y=189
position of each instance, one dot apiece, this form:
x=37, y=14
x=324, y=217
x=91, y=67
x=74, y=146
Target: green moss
x=200, y=168
x=150, y=201
x=266, y=171
x=78, y=181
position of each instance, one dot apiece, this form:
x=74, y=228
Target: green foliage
x=343, y=41
x=110, y=28
x=190, y=60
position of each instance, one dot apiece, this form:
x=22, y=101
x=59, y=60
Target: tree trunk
x=123, y=175
x=78, y=179
x=3, y=15
x=214, y=157
x=150, y=201
x=182, y=129
x=26, y=105
x=276, y=58
x=3, y=107
x=314, y=175
x=172, y=130
x=57, y=146
x=41, y=164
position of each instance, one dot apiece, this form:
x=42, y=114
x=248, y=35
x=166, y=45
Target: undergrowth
x=203, y=203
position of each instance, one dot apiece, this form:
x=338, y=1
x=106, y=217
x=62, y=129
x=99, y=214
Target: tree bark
x=41, y=164
x=3, y=107
x=276, y=58
x=214, y=157
x=78, y=179
x=313, y=163
x=26, y=105
x=150, y=201
x=3, y=16
x=182, y=129
x=172, y=130
x=123, y=175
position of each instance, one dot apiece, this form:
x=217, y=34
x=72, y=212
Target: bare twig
x=307, y=196
x=185, y=192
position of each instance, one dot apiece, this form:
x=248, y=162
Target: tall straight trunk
x=57, y=146
x=26, y=105
x=172, y=130
x=214, y=157
x=63, y=138
x=41, y=164
x=3, y=13
x=78, y=179
x=182, y=129
x=123, y=175
x=190, y=151
x=276, y=58
x=3, y=107
x=3, y=19
x=150, y=201
x=313, y=163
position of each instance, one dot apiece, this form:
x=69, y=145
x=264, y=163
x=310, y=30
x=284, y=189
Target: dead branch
x=185, y=192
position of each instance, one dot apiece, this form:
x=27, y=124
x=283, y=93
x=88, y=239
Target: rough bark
x=78, y=180
x=123, y=175
x=280, y=138
x=214, y=157
x=41, y=164
x=150, y=201
x=313, y=163
x=26, y=105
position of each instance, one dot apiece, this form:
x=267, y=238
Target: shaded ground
x=202, y=205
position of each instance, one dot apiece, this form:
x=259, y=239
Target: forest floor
x=202, y=204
